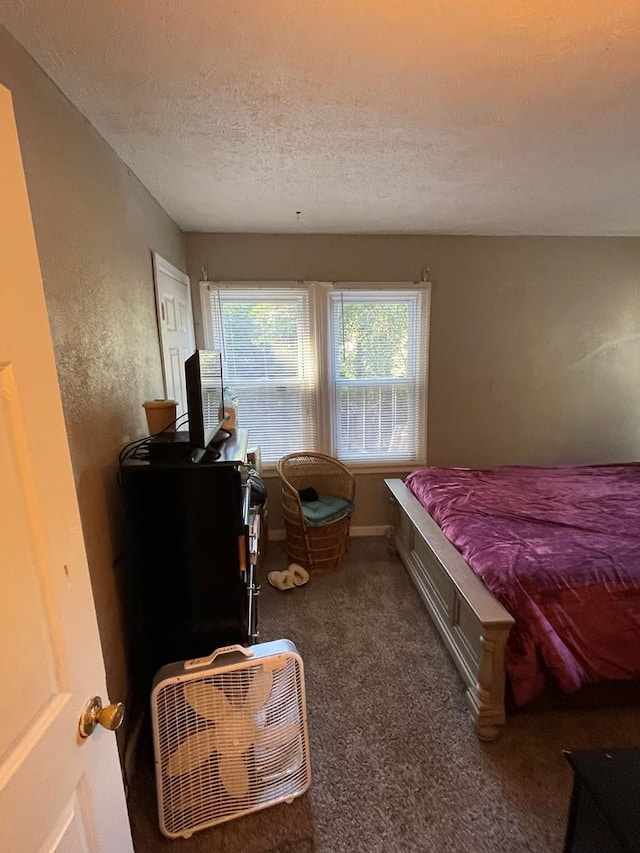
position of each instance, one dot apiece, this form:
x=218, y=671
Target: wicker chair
x=319, y=548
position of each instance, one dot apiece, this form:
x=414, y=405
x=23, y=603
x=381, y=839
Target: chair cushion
x=325, y=510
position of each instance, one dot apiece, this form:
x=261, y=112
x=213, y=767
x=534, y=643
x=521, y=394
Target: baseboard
x=372, y=530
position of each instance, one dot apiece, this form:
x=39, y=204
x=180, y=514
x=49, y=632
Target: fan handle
x=197, y=663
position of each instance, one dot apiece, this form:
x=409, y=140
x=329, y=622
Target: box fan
x=230, y=735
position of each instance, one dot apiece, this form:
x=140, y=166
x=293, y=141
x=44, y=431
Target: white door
x=58, y=792
x=175, y=322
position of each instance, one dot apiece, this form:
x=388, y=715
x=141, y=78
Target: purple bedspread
x=560, y=548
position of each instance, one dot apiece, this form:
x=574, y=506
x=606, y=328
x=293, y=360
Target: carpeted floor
x=396, y=766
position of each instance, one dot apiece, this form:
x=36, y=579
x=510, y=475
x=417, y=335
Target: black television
x=205, y=397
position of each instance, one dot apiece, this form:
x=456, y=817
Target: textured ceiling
x=403, y=116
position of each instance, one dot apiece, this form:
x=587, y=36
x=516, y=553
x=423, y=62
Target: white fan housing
x=230, y=735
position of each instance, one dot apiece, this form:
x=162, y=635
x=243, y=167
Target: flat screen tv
x=205, y=396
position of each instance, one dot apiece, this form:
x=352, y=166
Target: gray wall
x=95, y=227
x=535, y=342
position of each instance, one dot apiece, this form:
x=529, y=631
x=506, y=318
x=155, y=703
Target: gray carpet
x=396, y=766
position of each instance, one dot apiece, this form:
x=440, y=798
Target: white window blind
x=265, y=335
x=378, y=371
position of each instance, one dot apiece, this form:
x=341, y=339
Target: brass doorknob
x=94, y=714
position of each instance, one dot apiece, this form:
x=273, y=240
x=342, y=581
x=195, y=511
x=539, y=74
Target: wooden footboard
x=473, y=625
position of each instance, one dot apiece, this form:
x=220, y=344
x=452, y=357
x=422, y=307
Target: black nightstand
x=604, y=815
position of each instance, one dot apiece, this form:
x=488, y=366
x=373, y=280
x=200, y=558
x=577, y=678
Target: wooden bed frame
x=472, y=623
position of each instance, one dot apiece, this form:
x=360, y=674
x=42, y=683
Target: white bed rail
x=472, y=623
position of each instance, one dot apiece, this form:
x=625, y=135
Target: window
x=265, y=338
x=340, y=369
x=377, y=373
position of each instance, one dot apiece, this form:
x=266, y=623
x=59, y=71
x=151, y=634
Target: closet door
x=175, y=325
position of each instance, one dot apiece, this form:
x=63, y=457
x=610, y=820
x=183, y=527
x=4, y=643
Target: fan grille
x=268, y=745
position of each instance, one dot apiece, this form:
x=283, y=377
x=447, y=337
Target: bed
x=524, y=570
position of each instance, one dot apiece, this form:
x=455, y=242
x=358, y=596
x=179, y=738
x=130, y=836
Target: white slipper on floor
x=281, y=580
x=298, y=573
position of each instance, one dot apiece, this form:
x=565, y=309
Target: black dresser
x=193, y=550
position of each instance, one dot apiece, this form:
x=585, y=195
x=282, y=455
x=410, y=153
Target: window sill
x=269, y=471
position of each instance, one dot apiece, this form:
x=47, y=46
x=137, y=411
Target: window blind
x=266, y=338
x=378, y=373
